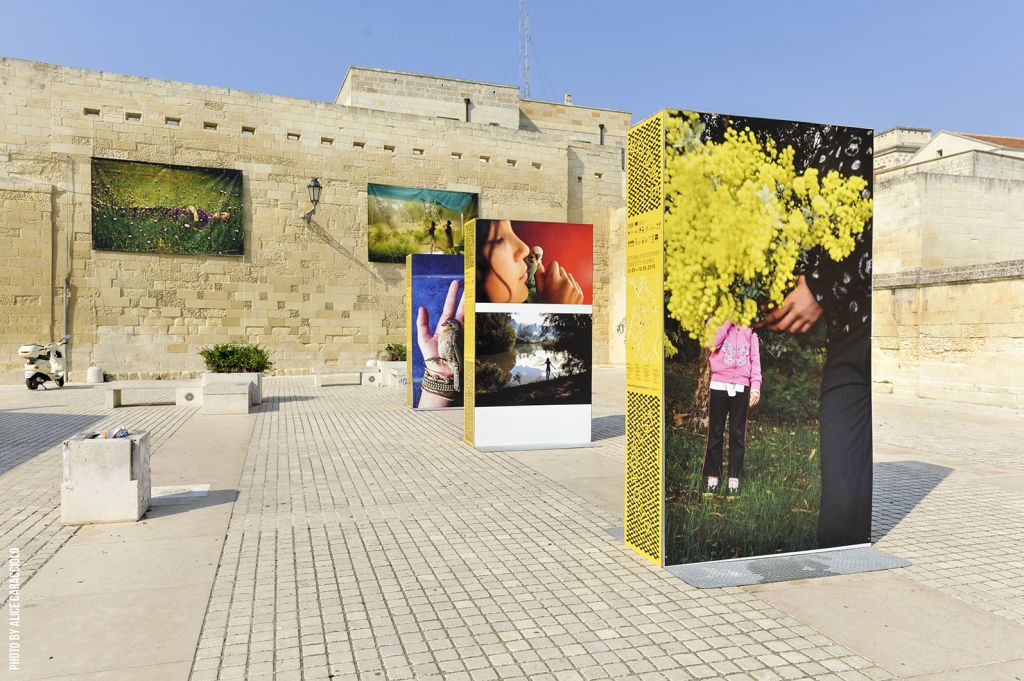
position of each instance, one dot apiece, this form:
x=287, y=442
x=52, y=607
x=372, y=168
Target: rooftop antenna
x=525, y=25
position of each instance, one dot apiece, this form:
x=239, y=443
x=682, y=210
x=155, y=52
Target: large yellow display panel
x=644, y=510
x=748, y=308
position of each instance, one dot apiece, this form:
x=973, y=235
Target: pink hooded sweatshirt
x=735, y=357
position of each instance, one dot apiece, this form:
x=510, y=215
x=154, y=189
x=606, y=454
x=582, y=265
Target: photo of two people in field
x=767, y=337
x=406, y=220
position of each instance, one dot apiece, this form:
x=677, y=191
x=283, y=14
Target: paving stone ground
x=32, y=427
x=369, y=542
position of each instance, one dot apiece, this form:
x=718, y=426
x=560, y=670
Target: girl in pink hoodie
x=735, y=387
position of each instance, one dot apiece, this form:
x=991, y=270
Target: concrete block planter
x=386, y=369
x=227, y=398
x=105, y=481
x=256, y=397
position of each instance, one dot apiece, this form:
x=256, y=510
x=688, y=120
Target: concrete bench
x=324, y=376
x=227, y=398
x=186, y=393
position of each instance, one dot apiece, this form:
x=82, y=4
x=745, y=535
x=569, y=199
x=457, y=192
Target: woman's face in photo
x=505, y=281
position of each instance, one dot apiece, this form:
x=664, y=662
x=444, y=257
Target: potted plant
x=392, y=357
x=232, y=362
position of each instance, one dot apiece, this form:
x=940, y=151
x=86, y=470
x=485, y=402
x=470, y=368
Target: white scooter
x=43, y=363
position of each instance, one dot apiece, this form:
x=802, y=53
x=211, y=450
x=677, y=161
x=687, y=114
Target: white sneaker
x=712, y=484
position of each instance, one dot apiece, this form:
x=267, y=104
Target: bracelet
x=450, y=397
x=439, y=385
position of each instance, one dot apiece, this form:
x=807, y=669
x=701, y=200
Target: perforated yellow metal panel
x=645, y=353
x=469, y=336
x=645, y=146
x=643, y=526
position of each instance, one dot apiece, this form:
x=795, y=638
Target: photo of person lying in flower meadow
x=767, y=336
x=157, y=208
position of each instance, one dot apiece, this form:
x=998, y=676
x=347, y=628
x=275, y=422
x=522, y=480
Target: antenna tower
x=525, y=70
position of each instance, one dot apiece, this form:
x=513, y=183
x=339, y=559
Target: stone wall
x=955, y=211
x=582, y=123
x=896, y=146
x=949, y=279
x=421, y=95
x=26, y=277
x=954, y=334
x=305, y=292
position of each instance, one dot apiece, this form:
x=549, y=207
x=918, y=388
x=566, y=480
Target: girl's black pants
x=734, y=409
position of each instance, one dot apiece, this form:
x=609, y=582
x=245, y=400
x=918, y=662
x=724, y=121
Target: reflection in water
x=526, y=364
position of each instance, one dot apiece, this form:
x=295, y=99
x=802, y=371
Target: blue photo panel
x=437, y=285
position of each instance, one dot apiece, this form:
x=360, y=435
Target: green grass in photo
x=148, y=207
x=775, y=512
x=777, y=508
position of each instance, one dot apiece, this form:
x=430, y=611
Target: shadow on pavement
x=898, y=488
x=165, y=506
x=25, y=435
x=274, y=403
x=607, y=427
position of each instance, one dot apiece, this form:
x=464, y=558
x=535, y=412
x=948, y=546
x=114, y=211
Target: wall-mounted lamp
x=314, y=188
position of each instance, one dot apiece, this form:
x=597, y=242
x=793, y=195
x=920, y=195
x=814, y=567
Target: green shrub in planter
x=236, y=358
x=394, y=352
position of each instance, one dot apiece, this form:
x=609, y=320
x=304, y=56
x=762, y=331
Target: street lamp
x=314, y=188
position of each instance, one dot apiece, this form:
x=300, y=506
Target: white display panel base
x=533, y=427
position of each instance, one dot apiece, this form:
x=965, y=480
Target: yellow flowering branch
x=738, y=220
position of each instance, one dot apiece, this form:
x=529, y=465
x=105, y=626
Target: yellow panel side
x=644, y=499
x=410, y=332
x=469, y=335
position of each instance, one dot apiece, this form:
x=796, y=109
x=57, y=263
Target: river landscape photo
x=531, y=358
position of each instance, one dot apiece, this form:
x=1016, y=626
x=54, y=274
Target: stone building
x=949, y=266
x=307, y=293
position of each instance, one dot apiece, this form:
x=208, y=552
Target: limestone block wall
x=949, y=279
x=582, y=123
x=421, y=95
x=955, y=334
x=305, y=292
x=597, y=179
x=999, y=165
x=971, y=220
x=955, y=211
x=897, y=229
x=27, y=276
x=896, y=146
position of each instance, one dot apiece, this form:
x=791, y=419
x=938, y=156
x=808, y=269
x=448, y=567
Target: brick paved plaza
x=346, y=537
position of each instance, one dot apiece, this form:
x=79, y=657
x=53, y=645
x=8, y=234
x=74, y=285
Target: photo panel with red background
x=571, y=245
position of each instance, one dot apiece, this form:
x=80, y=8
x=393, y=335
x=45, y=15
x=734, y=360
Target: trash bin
x=105, y=480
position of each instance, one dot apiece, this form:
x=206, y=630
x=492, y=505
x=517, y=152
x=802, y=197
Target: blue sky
x=954, y=66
